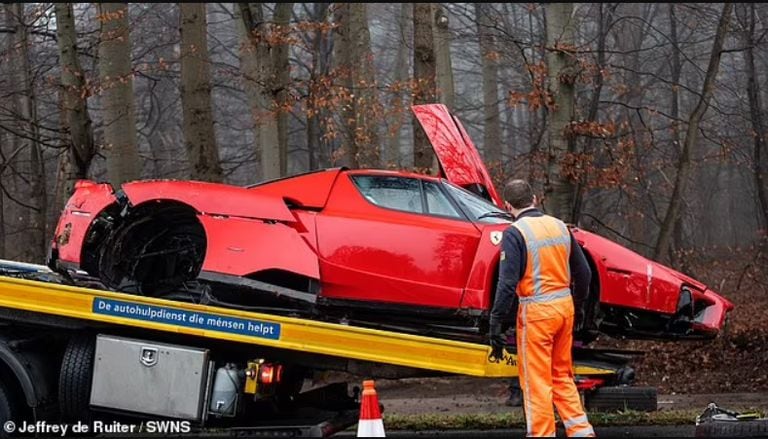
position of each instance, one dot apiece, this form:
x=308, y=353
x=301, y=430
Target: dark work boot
x=515, y=396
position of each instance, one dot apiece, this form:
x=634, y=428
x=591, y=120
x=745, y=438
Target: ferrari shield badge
x=496, y=237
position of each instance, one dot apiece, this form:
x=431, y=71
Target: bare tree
x=746, y=14
x=75, y=120
x=392, y=153
x=282, y=77
x=676, y=69
x=199, y=135
x=258, y=60
x=490, y=56
x=604, y=20
x=25, y=103
x=561, y=25
x=317, y=148
x=353, y=58
x=691, y=136
x=424, y=72
x=443, y=66
x=116, y=77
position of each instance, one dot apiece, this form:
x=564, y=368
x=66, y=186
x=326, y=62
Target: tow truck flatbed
x=66, y=351
x=296, y=334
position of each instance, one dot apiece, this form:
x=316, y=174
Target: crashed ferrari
x=378, y=248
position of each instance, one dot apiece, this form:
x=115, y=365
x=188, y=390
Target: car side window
x=391, y=192
x=437, y=202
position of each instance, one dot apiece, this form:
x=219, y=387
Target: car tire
x=75, y=379
x=8, y=410
x=753, y=428
x=608, y=399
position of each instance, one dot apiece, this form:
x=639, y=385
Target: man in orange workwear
x=538, y=259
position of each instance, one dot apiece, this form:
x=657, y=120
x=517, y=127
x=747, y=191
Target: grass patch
x=492, y=421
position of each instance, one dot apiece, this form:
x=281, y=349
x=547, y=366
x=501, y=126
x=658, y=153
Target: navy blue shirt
x=511, y=270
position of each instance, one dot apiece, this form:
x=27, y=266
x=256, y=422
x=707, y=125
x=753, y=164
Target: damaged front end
x=701, y=314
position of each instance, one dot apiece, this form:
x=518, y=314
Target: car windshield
x=478, y=208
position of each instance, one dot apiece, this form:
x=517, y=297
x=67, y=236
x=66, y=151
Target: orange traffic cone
x=370, y=424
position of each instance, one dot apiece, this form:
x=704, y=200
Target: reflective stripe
x=587, y=432
x=533, y=251
x=566, y=234
x=568, y=242
x=549, y=297
x=575, y=421
x=550, y=242
x=527, y=389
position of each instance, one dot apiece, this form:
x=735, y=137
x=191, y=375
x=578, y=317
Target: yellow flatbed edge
x=298, y=334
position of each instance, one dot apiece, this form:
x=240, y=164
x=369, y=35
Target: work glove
x=497, y=339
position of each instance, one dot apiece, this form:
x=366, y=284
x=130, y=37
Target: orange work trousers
x=544, y=340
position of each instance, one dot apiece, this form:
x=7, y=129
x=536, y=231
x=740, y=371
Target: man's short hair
x=518, y=193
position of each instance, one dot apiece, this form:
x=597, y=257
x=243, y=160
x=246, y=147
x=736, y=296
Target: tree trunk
x=676, y=70
x=76, y=160
x=691, y=137
x=352, y=53
x=342, y=74
x=249, y=68
x=282, y=79
x=605, y=17
x=400, y=76
x=365, y=102
x=746, y=14
x=489, y=55
x=561, y=26
x=630, y=41
x=316, y=146
x=34, y=242
x=442, y=43
x=199, y=134
x=424, y=71
x=116, y=80
x=258, y=69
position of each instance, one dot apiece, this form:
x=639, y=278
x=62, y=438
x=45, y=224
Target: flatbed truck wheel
x=606, y=399
x=7, y=410
x=75, y=378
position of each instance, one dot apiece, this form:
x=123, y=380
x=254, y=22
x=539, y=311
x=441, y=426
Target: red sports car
x=372, y=247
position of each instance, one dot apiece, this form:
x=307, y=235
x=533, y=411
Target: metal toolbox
x=147, y=377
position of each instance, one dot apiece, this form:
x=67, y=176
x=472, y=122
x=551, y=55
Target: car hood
x=460, y=162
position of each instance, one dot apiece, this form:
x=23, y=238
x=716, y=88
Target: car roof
x=394, y=173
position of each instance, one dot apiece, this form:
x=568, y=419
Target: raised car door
x=460, y=162
x=387, y=238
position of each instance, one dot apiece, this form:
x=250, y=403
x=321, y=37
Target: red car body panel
x=243, y=246
x=459, y=159
x=211, y=198
x=239, y=243
x=310, y=190
x=82, y=208
x=628, y=279
x=400, y=257
x=484, y=273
